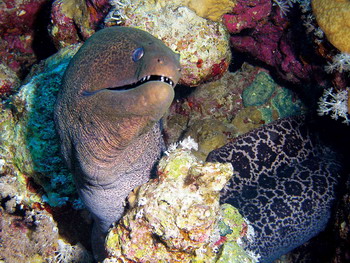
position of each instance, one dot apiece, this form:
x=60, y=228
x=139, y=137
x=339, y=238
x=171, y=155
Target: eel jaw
x=144, y=80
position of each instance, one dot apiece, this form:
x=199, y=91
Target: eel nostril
x=160, y=61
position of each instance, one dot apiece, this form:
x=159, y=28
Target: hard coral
x=203, y=44
x=247, y=14
x=29, y=142
x=75, y=20
x=210, y=9
x=334, y=19
x=18, y=30
x=175, y=218
x=274, y=41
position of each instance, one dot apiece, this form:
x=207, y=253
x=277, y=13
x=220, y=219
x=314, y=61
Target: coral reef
x=218, y=111
x=175, y=217
x=247, y=14
x=18, y=33
x=29, y=141
x=271, y=39
x=334, y=19
x=37, y=194
x=8, y=80
x=202, y=44
x=28, y=238
x=73, y=21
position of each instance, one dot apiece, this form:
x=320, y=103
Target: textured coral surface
x=289, y=61
x=202, y=44
x=334, y=19
x=73, y=21
x=175, y=217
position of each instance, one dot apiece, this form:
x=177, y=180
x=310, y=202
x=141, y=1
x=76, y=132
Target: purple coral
x=270, y=39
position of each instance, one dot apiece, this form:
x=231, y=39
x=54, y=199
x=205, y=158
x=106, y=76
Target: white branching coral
x=334, y=104
x=284, y=5
x=118, y=11
x=189, y=144
x=340, y=62
x=68, y=253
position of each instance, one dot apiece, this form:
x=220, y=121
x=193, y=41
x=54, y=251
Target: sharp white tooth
x=148, y=77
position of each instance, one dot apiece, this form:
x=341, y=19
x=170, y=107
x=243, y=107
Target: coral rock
x=30, y=144
x=334, y=19
x=271, y=39
x=202, y=44
x=8, y=80
x=174, y=217
x=247, y=14
x=18, y=18
x=75, y=20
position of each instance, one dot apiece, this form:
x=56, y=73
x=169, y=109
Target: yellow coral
x=333, y=16
x=209, y=9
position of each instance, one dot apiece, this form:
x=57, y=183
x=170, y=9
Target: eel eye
x=138, y=54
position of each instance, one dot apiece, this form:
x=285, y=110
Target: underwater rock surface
x=275, y=35
x=29, y=141
x=175, y=217
x=202, y=44
x=218, y=111
x=73, y=21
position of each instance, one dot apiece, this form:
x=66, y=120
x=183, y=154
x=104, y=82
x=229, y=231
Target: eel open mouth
x=144, y=80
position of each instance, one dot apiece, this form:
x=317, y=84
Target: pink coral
x=247, y=14
x=271, y=39
x=74, y=21
x=17, y=21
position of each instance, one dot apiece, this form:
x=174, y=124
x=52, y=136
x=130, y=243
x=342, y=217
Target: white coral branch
x=334, y=104
x=340, y=62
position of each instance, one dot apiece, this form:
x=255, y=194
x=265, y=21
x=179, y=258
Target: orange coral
x=333, y=16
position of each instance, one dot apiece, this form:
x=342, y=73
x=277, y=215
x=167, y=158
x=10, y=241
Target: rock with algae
x=175, y=217
x=203, y=44
x=29, y=144
x=218, y=111
x=73, y=21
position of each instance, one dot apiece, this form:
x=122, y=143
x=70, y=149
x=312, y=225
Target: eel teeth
x=143, y=80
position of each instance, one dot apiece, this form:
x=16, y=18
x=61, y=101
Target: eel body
x=114, y=92
x=283, y=184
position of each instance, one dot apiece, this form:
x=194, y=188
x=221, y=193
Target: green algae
x=260, y=91
x=285, y=103
x=30, y=144
x=40, y=133
x=233, y=253
x=232, y=223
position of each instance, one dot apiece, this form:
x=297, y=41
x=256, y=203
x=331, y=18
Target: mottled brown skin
x=111, y=139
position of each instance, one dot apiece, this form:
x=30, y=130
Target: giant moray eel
x=284, y=184
x=114, y=92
